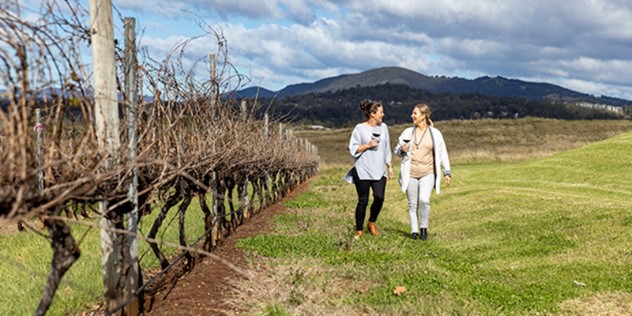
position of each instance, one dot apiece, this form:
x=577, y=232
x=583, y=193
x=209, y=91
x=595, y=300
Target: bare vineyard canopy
x=187, y=140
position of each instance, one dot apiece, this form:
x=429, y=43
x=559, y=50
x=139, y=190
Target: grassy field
x=547, y=236
x=522, y=230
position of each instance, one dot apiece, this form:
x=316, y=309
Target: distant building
x=606, y=107
x=317, y=127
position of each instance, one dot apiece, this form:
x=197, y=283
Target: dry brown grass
x=606, y=304
x=471, y=141
x=303, y=288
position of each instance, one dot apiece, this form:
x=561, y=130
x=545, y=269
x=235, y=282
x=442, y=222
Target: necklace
x=417, y=143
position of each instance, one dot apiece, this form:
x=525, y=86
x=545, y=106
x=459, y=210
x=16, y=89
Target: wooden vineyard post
x=214, y=196
x=133, y=274
x=266, y=179
x=280, y=133
x=106, y=123
x=214, y=213
x=38, y=156
x=244, y=203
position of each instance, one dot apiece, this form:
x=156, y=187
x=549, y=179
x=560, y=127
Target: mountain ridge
x=486, y=85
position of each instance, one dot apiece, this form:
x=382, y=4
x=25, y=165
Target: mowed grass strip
x=545, y=236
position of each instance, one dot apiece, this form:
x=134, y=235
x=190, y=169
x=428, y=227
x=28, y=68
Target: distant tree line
x=341, y=108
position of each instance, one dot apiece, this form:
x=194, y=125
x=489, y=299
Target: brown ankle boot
x=372, y=229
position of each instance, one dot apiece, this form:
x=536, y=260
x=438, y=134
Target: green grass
x=275, y=310
x=25, y=262
x=534, y=236
x=24, y=268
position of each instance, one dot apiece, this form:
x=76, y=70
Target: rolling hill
x=490, y=86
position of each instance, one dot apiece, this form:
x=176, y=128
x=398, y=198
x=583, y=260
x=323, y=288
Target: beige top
x=422, y=160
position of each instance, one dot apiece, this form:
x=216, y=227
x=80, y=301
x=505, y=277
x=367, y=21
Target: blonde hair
x=425, y=109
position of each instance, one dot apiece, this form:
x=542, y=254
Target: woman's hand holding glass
x=373, y=143
x=404, y=148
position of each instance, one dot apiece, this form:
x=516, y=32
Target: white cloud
x=585, y=43
x=589, y=87
x=609, y=71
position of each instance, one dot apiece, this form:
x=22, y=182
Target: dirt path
x=206, y=289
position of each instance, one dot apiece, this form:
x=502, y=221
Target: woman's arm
x=355, y=146
x=388, y=155
x=444, y=157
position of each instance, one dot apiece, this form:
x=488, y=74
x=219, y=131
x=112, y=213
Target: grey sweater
x=370, y=164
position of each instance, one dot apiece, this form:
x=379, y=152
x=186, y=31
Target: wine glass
x=377, y=132
x=406, y=140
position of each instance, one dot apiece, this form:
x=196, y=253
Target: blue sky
x=584, y=45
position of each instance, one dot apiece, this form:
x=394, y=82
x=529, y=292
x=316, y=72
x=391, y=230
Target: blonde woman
x=424, y=156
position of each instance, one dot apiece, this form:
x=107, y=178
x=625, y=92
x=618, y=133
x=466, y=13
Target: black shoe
x=415, y=236
x=424, y=234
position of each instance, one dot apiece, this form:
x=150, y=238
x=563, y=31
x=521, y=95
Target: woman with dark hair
x=370, y=146
x=424, y=154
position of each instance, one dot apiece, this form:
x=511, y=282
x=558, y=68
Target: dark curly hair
x=369, y=106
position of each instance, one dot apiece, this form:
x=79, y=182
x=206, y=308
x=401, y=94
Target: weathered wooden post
x=133, y=273
x=266, y=127
x=214, y=213
x=38, y=154
x=266, y=179
x=278, y=176
x=289, y=142
x=106, y=123
x=244, y=201
x=213, y=79
x=281, y=133
x=214, y=196
x=243, y=110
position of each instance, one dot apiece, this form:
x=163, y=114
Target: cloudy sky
x=584, y=45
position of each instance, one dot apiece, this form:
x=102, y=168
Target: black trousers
x=363, y=188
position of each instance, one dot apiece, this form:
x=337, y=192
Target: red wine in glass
x=406, y=141
x=376, y=135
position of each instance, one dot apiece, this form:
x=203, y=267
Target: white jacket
x=441, y=159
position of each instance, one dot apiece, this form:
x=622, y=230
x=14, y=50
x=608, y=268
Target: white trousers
x=418, y=193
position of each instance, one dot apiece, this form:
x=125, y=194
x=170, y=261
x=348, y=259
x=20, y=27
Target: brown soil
x=206, y=288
